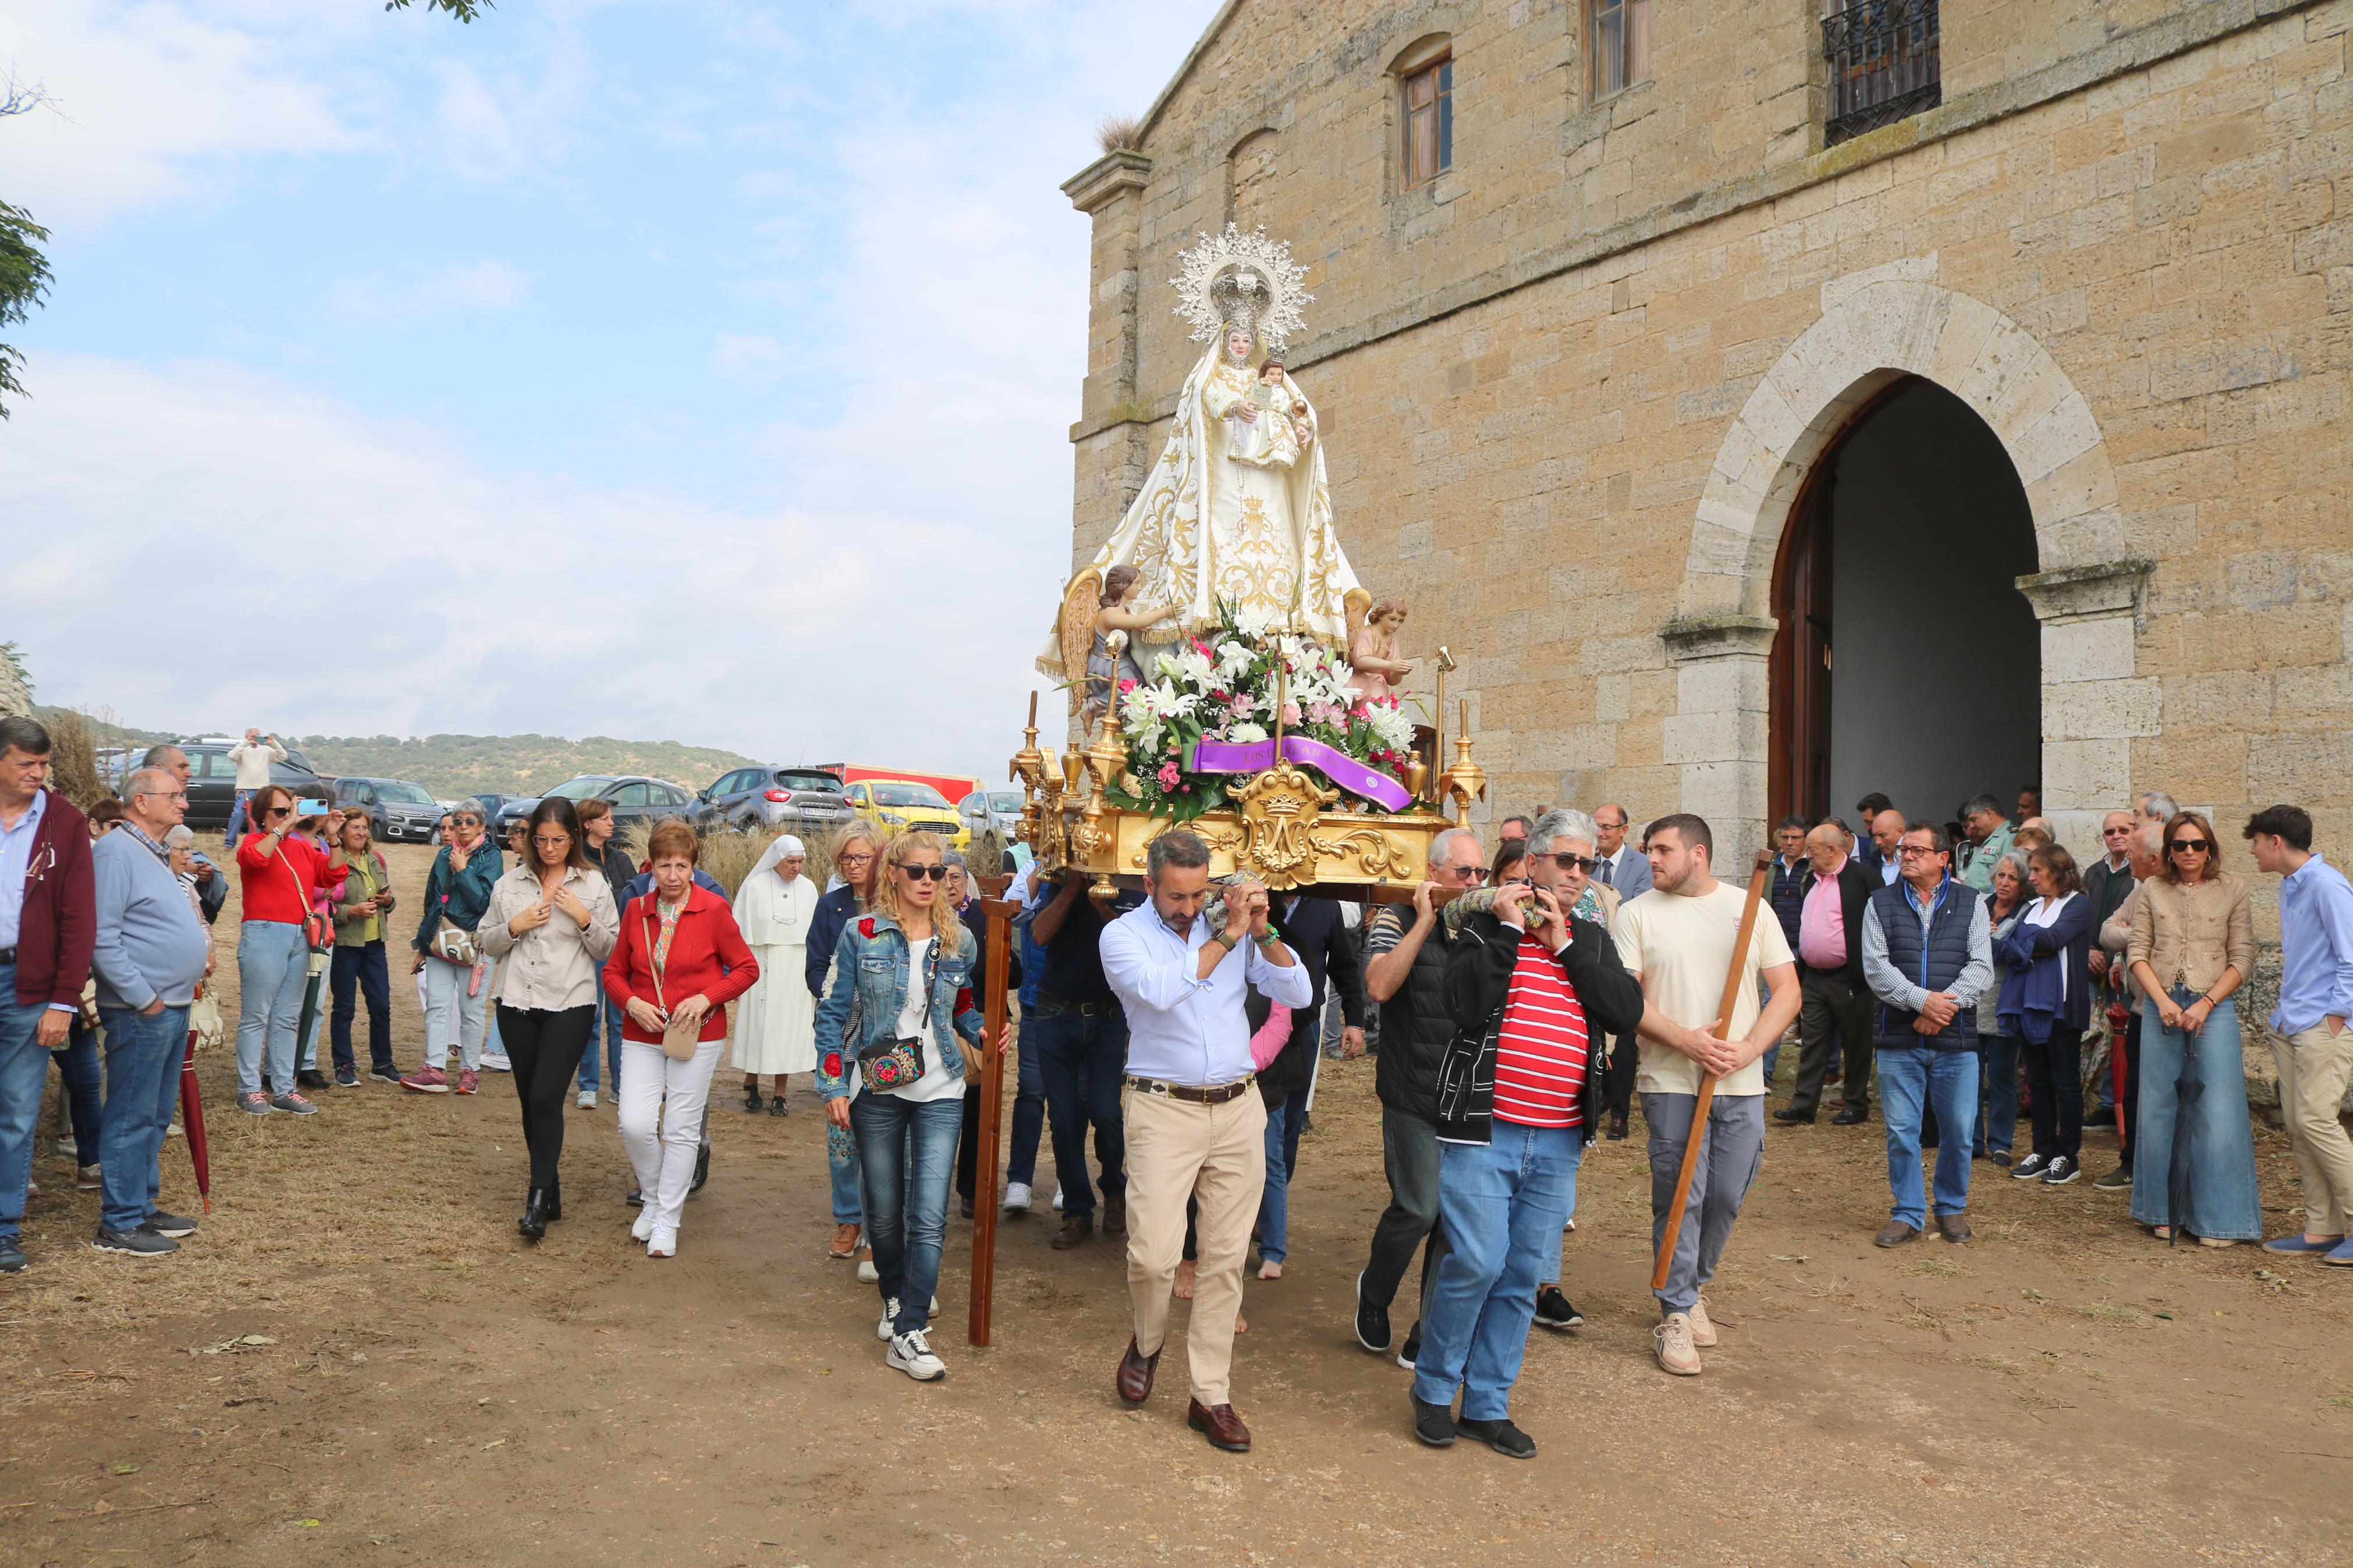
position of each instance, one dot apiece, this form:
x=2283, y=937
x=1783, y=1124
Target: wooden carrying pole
x=1000, y=912
x=1707, y=1079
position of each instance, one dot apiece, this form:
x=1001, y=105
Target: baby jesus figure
x=1272, y=427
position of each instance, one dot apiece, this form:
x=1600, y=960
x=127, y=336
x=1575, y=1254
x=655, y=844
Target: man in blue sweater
x=149, y=956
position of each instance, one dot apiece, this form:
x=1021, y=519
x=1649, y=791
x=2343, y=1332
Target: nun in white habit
x=776, y=1022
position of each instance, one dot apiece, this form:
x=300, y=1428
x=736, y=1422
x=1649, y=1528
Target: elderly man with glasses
x=456, y=894
x=1405, y=973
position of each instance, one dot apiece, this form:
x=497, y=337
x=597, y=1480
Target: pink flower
x=1291, y=712
x=1168, y=775
x=1126, y=686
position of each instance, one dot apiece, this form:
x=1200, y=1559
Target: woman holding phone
x=279, y=875
x=552, y=919
x=679, y=960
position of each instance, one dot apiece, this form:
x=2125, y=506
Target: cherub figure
x=1109, y=659
x=1373, y=650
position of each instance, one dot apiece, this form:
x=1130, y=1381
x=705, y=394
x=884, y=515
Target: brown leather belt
x=1215, y=1094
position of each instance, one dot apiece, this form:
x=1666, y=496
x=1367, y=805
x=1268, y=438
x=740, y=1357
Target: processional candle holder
x=1466, y=781
x=1106, y=760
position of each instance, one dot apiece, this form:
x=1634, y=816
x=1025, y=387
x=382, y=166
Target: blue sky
x=692, y=371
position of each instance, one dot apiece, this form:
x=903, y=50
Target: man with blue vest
x=1927, y=952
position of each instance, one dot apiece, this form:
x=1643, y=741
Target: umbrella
x=309, y=1015
x=192, y=1115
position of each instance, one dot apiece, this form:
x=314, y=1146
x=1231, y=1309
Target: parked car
x=497, y=808
x=985, y=808
x=772, y=798
x=212, y=781
x=633, y=797
x=398, y=812
x=892, y=805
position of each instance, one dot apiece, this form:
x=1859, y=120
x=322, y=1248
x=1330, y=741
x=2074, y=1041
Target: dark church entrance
x=1907, y=662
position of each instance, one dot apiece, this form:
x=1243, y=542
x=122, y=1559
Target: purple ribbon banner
x=1250, y=757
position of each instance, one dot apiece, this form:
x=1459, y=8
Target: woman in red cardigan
x=679, y=960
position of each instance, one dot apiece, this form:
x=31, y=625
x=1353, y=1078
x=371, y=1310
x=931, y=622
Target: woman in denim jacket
x=907, y=1134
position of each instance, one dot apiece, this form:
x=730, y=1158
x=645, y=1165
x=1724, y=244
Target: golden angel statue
x=1235, y=510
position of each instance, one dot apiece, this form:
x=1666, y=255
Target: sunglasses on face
x=278, y=811
x=2195, y=846
x=1568, y=862
x=1470, y=874
x=924, y=873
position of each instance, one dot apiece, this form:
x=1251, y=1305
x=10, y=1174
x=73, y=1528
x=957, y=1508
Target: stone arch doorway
x=1877, y=329
x=1905, y=661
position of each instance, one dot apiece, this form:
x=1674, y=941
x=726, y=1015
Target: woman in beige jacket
x=2193, y=945
x=552, y=919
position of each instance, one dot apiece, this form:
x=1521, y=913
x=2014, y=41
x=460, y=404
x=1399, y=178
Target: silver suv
x=772, y=798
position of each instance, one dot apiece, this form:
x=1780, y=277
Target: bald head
x=1887, y=832
x=1826, y=848
x=153, y=799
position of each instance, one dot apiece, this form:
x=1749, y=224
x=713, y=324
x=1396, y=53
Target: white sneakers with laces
x=911, y=1352
x=1017, y=1197
x=664, y=1243
x=642, y=1229
x=1703, y=1331
x=1674, y=1345
x=890, y=1315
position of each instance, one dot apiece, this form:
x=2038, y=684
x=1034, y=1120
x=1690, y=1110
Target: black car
x=212, y=781
x=633, y=797
x=772, y=798
x=398, y=812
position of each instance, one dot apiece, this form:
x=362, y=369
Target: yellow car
x=892, y=804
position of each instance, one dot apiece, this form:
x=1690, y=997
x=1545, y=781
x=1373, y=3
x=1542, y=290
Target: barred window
x=1884, y=65
x=1428, y=99
x=1617, y=45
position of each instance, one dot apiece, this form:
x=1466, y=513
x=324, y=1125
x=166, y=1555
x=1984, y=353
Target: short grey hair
x=1978, y=803
x=1558, y=824
x=161, y=756
x=148, y=781
x=2160, y=806
x=180, y=836
x=1441, y=848
x=1174, y=848
x=2016, y=860
x=955, y=858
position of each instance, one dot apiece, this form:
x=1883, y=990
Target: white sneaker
x=890, y=1315
x=1017, y=1197
x=1702, y=1328
x=664, y=1244
x=643, y=1229
x=1058, y=1198
x=867, y=1273
x=587, y=1101
x=911, y=1352
x=497, y=1061
x=1674, y=1346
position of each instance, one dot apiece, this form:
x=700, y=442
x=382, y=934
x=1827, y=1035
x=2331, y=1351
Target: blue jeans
x=143, y=1054
x=235, y=819
x=608, y=1022
x=1283, y=1126
x=1912, y=1078
x=1084, y=1059
x=2220, y=1147
x=24, y=1072
x=1502, y=1204
x=358, y=973
x=77, y=1062
x=1029, y=1117
x=273, y=964
x=906, y=1152
x=1997, y=1093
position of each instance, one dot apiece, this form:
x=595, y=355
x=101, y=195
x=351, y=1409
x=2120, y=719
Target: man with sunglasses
x=1405, y=974
x=49, y=924
x=2106, y=884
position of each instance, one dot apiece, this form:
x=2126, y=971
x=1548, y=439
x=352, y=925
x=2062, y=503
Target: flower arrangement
x=1224, y=687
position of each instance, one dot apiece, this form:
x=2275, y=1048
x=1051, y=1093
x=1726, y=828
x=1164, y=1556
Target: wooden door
x=1798, y=780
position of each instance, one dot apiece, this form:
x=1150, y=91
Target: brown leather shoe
x=1114, y=1216
x=1220, y=1426
x=1075, y=1230
x=845, y=1244
x=1135, y=1369
x=1954, y=1227
x=1618, y=1126
x=1895, y=1233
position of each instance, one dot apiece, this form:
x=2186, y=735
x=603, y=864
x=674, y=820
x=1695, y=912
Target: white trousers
x=450, y=1014
x=654, y=1087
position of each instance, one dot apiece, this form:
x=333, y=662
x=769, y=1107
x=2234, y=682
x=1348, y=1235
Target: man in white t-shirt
x=1679, y=943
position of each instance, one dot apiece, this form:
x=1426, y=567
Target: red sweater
x=270, y=892
x=60, y=924
x=707, y=956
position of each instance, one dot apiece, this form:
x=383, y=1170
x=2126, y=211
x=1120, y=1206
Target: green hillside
x=452, y=765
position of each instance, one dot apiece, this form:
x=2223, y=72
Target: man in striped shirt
x=1530, y=986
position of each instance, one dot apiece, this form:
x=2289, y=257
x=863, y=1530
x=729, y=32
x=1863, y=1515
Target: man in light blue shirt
x=1196, y=1125
x=2314, y=1050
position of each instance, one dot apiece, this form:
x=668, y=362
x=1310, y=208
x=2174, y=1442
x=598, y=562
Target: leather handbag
x=317, y=929
x=680, y=1039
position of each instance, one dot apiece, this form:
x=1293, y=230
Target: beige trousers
x=2313, y=1069
x=1215, y=1153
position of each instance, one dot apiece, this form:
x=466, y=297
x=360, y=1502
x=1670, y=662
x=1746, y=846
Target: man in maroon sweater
x=47, y=925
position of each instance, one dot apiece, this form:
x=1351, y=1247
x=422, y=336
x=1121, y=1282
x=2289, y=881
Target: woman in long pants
x=551, y=921
x=679, y=960
x=279, y=875
x=2046, y=1006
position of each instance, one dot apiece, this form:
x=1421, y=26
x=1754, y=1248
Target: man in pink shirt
x=1835, y=1001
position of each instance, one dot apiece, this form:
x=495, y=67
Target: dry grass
x=73, y=760
x=1119, y=132
x=727, y=855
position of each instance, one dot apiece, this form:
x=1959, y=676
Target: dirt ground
x=434, y=1389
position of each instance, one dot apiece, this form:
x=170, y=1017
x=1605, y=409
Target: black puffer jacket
x=1415, y=1027
x=1478, y=974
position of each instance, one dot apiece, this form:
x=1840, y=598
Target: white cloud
x=213, y=549
x=751, y=359
x=486, y=284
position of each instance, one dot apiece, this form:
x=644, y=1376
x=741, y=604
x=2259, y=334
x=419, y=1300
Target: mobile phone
x=311, y=808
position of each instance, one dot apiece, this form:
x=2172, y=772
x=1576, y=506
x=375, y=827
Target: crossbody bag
x=888, y=1066
x=680, y=1040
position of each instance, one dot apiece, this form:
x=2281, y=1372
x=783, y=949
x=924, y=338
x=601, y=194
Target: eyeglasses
x=923, y=873
x=857, y=859
x=2121, y=827
x=2195, y=846
x=1570, y=862
x=1467, y=874
x=544, y=842
x=1918, y=849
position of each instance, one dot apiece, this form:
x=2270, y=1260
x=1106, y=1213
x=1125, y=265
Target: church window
x=1426, y=98
x=1884, y=65
x=1617, y=45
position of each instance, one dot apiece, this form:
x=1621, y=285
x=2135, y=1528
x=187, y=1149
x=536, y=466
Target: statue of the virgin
x=1235, y=510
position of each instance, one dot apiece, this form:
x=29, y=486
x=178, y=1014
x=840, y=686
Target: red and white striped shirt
x=1540, y=1057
